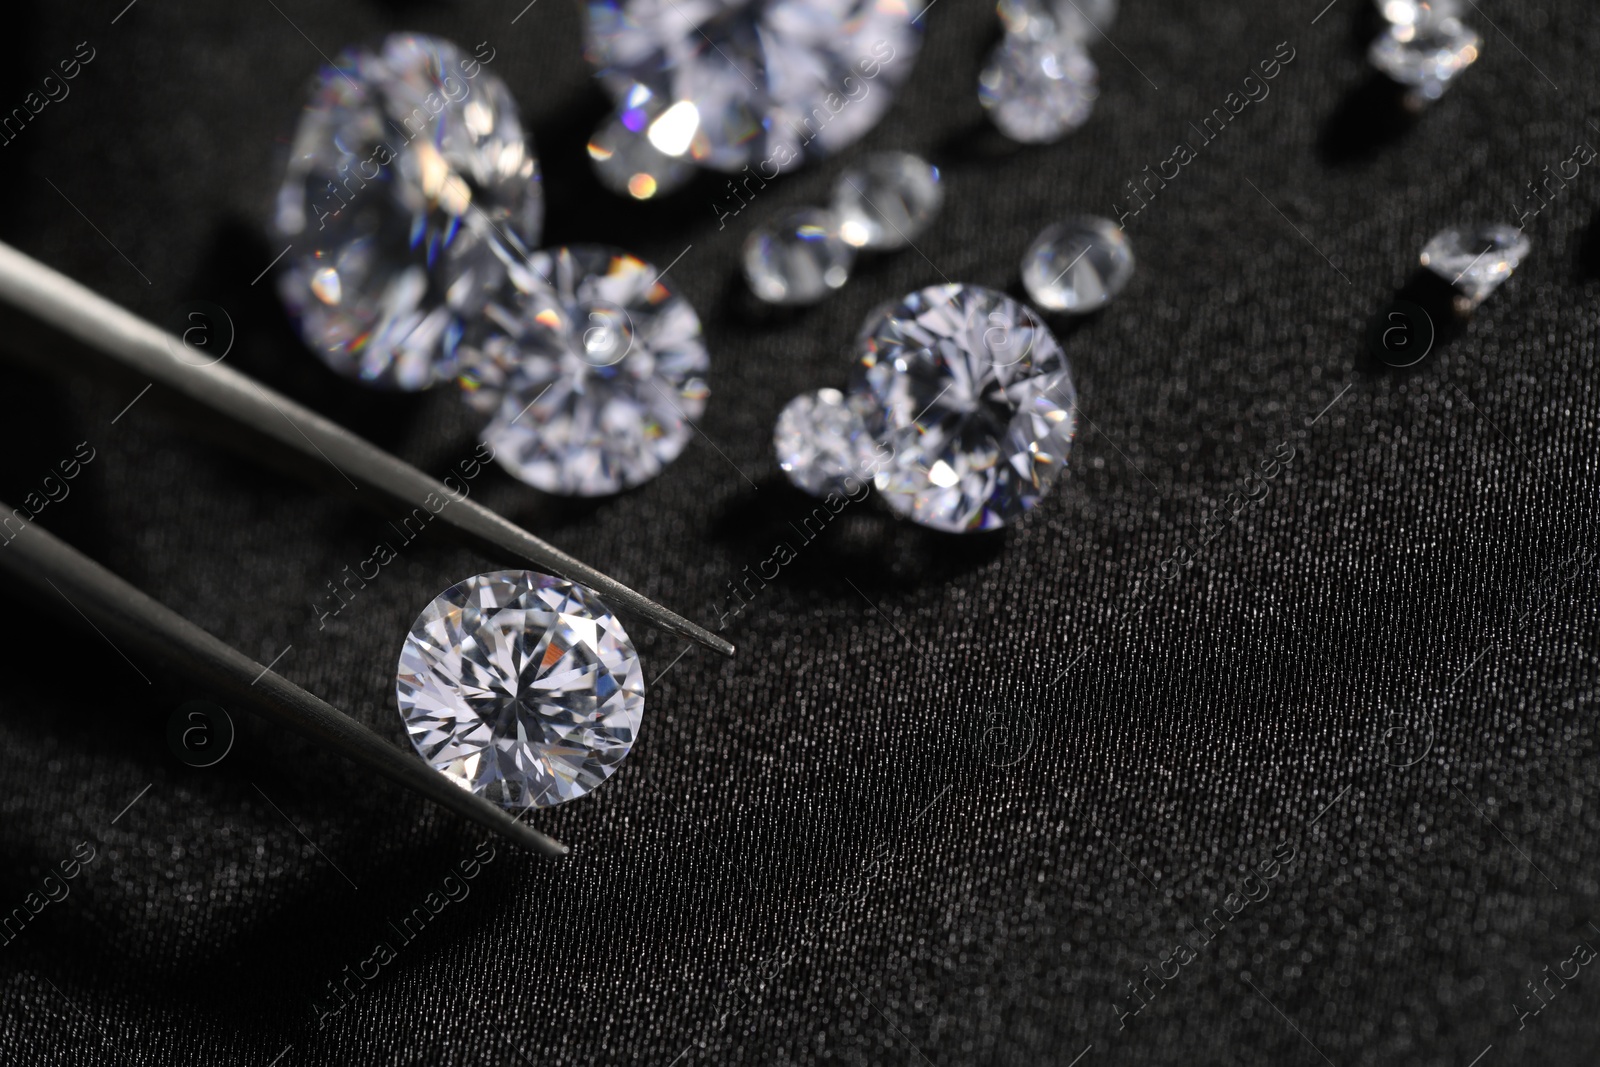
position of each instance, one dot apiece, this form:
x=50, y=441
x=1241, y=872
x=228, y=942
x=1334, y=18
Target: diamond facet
x=766, y=82
x=408, y=165
x=1077, y=266
x=797, y=259
x=887, y=200
x=971, y=397
x=1476, y=259
x=521, y=688
x=1425, y=55
x=819, y=439
x=593, y=367
x=1037, y=91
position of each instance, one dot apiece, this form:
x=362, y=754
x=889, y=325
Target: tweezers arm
x=136, y=623
x=80, y=313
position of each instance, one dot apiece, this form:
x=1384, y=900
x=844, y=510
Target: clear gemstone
x=408, y=165
x=887, y=200
x=1038, y=91
x=626, y=149
x=521, y=688
x=1076, y=20
x=819, y=439
x=764, y=82
x=593, y=367
x=798, y=259
x=1077, y=266
x=1426, y=55
x=1476, y=259
x=1412, y=12
x=972, y=399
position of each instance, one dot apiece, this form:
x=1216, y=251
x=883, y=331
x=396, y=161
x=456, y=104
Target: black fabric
x=1300, y=637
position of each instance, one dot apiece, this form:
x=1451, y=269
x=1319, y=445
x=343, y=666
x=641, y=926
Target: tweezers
x=119, y=611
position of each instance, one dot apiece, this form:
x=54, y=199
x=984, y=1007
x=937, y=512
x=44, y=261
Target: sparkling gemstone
x=408, y=165
x=627, y=153
x=821, y=444
x=521, y=688
x=593, y=368
x=798, y=259
x=887, y=200
x=1476, y=259
x=1075, y=20
x=1412, y=12
x=1077, y=266
x=764, y=83
x=971, y=398
x=1426, y=55
x=1038, y=91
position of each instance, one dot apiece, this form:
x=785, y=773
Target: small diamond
x=1038, y=91
x=627, y=158
x=1076, y=20
x=1476, y=259
x=521, y=688
x=1077, y=266
x=1413, y=12
x=799, y=259
x=887, y=200
x=593, y=367
x=971, y=399
x=408, y=166
x=764, y=83
x=1426, y=55
x=819, y=440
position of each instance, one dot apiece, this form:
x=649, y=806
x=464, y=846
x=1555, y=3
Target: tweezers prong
x=129, y=619
x=71, y=308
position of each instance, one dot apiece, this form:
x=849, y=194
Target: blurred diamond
x=1075, y=20
x=408, y=165
x=1037, y=91
x=1077, y=266
x=593, y=367
x=1426, y=55
x=797, y=259
x=1476, y=259
x=819, y=440
x=627, y=154
x=520, y=687
x=1413, y=12
x=887, y=200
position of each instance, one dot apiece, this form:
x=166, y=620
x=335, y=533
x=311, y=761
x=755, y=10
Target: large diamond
x=759, y=82
x=972, y=398
x=521, y=687
x=409, y=163
x=593, y=367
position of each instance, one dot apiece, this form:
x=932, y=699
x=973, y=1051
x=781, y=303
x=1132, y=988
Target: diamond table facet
x=1476, y=259
x=409, y=164
x=593, y=367
x=971, y=399
x=520, y=687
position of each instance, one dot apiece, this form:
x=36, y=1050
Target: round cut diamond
x=887, y=200
x=1476, y=259
x=971, y=399
x=408, y=166
x=1425, y=55
x=1038, y=91
x=1077, y=266
x=521, y=688
x=798, y=259
x=766, y=82
x=819, y=439
x=593, y=367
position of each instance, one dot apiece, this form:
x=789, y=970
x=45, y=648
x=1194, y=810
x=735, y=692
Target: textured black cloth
x=1281, y=707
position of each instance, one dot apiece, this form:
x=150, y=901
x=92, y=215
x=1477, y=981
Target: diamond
x=1425, y=55
x=1038, y=91
x=1075, y=20
x=593, y=367
x=821, y=444
x=764, y=82
x=798, y=259
x=1077, y=266
x=627, y=153
x=408, y=165
x=1476, y=259
x=521, y=688
x=887, y=200
x=971, y=400
x=1413, y=12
